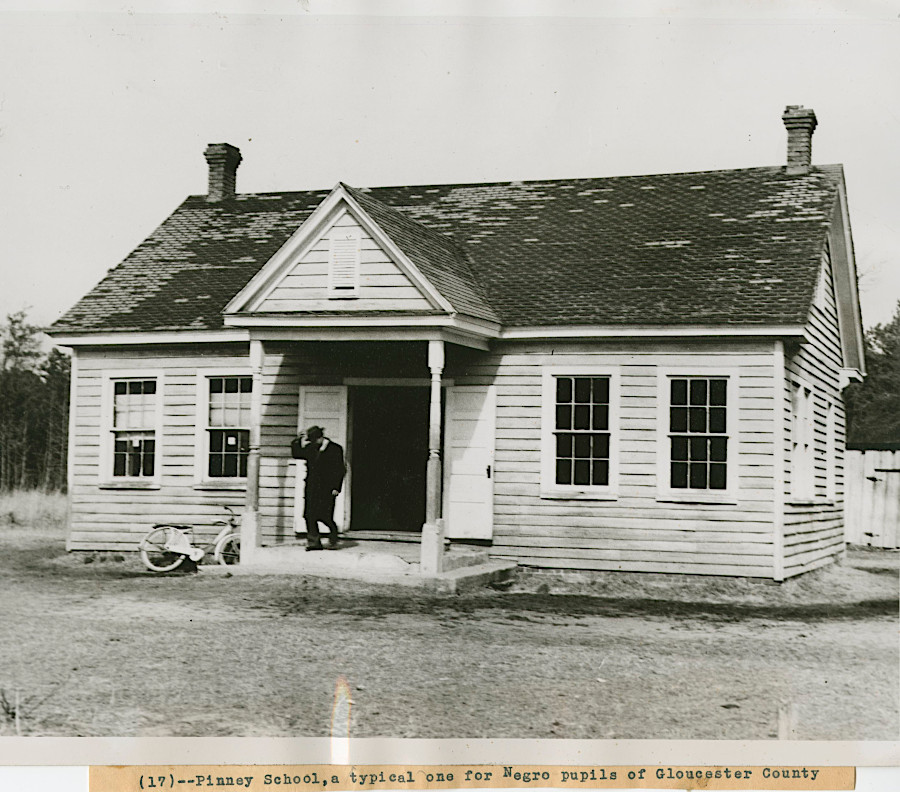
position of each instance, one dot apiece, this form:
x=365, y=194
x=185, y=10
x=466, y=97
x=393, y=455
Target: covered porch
x=417, y=433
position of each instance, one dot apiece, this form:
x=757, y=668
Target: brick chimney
x=800, y=124
x=223, y=160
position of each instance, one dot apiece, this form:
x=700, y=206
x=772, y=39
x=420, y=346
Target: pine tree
x=34, y=399
x=21, y=346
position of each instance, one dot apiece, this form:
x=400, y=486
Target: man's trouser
x=313, y=537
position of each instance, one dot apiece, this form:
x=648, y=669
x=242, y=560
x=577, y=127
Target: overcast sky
x=105, y=112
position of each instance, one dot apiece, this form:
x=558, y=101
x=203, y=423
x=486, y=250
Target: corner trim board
x=72, y=431
x=779, y=456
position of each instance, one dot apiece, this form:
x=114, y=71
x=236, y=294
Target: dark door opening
x=389, y=455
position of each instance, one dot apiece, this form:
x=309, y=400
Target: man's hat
x=315, y=432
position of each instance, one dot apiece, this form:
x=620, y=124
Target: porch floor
x=396, y=563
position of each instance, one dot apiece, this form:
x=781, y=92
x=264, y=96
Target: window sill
x=700, y=498
x=578, y=494
x=238, y=485
x=129, y=485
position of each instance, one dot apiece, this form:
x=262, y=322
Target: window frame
x=665, y=492
x=202, y=479
x=807, y=492
x=548, y=486
x=830, y=449
x=106, y=479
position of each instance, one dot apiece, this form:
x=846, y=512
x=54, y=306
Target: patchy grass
x=108, y=649
x=34, y=509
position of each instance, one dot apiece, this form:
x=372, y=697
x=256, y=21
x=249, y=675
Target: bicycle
x=166, y=546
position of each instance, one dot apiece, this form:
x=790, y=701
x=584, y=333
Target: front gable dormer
x=340, y=260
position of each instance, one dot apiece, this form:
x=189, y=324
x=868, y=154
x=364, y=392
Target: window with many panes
x=698, y=433
x=134, y=412
x=228, y=426
x=582, y=431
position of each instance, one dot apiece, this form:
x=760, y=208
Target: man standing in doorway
x=325, y=471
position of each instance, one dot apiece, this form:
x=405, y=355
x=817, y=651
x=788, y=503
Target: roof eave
x=792, y=331
x=81, y=338
x=365, y=320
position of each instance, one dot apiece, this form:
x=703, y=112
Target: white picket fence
x=872, y=498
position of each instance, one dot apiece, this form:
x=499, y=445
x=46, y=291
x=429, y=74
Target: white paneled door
x=469, y=461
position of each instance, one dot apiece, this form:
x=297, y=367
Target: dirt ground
x=106, y=649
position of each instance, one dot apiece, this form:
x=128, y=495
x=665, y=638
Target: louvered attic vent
x=343, y=265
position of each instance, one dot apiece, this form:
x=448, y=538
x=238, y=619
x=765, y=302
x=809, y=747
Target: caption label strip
x=346, y=778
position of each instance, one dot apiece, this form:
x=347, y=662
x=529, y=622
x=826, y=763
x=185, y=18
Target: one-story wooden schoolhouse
x=632, y=373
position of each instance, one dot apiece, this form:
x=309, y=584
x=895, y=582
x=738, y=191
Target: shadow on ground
x=576, y=606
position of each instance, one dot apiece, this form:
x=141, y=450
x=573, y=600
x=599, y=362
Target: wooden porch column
x=250, y=539
x=432, y=532
x=433, y=471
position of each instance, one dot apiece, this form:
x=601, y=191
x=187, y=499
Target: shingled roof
x=435, y=254
x=734, y=247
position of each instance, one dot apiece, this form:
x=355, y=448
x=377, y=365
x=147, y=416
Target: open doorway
x=389, y=455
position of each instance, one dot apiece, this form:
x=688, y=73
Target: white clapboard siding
x=706, y=566
x=873, y=498
x=115, y=519
x=817, y=364
x=636, y=531
x=382, y=284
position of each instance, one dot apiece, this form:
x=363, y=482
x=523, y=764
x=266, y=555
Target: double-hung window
x=134, y=428
x=696, y=434
x=579, y=432
x=227, y=426
x=131, y=411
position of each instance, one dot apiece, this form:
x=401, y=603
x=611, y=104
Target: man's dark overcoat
x=324, y=474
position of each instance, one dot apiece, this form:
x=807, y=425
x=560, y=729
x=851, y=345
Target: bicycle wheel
x=228, y=549
x=154, y=554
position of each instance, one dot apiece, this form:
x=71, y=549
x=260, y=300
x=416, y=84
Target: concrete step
x=465, y=567
x=296, y=558
x=467, y=578
x=457, y=556
x=385, y=536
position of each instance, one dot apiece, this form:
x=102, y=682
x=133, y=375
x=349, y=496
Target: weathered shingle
x=738, y=247
x=441, y=261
